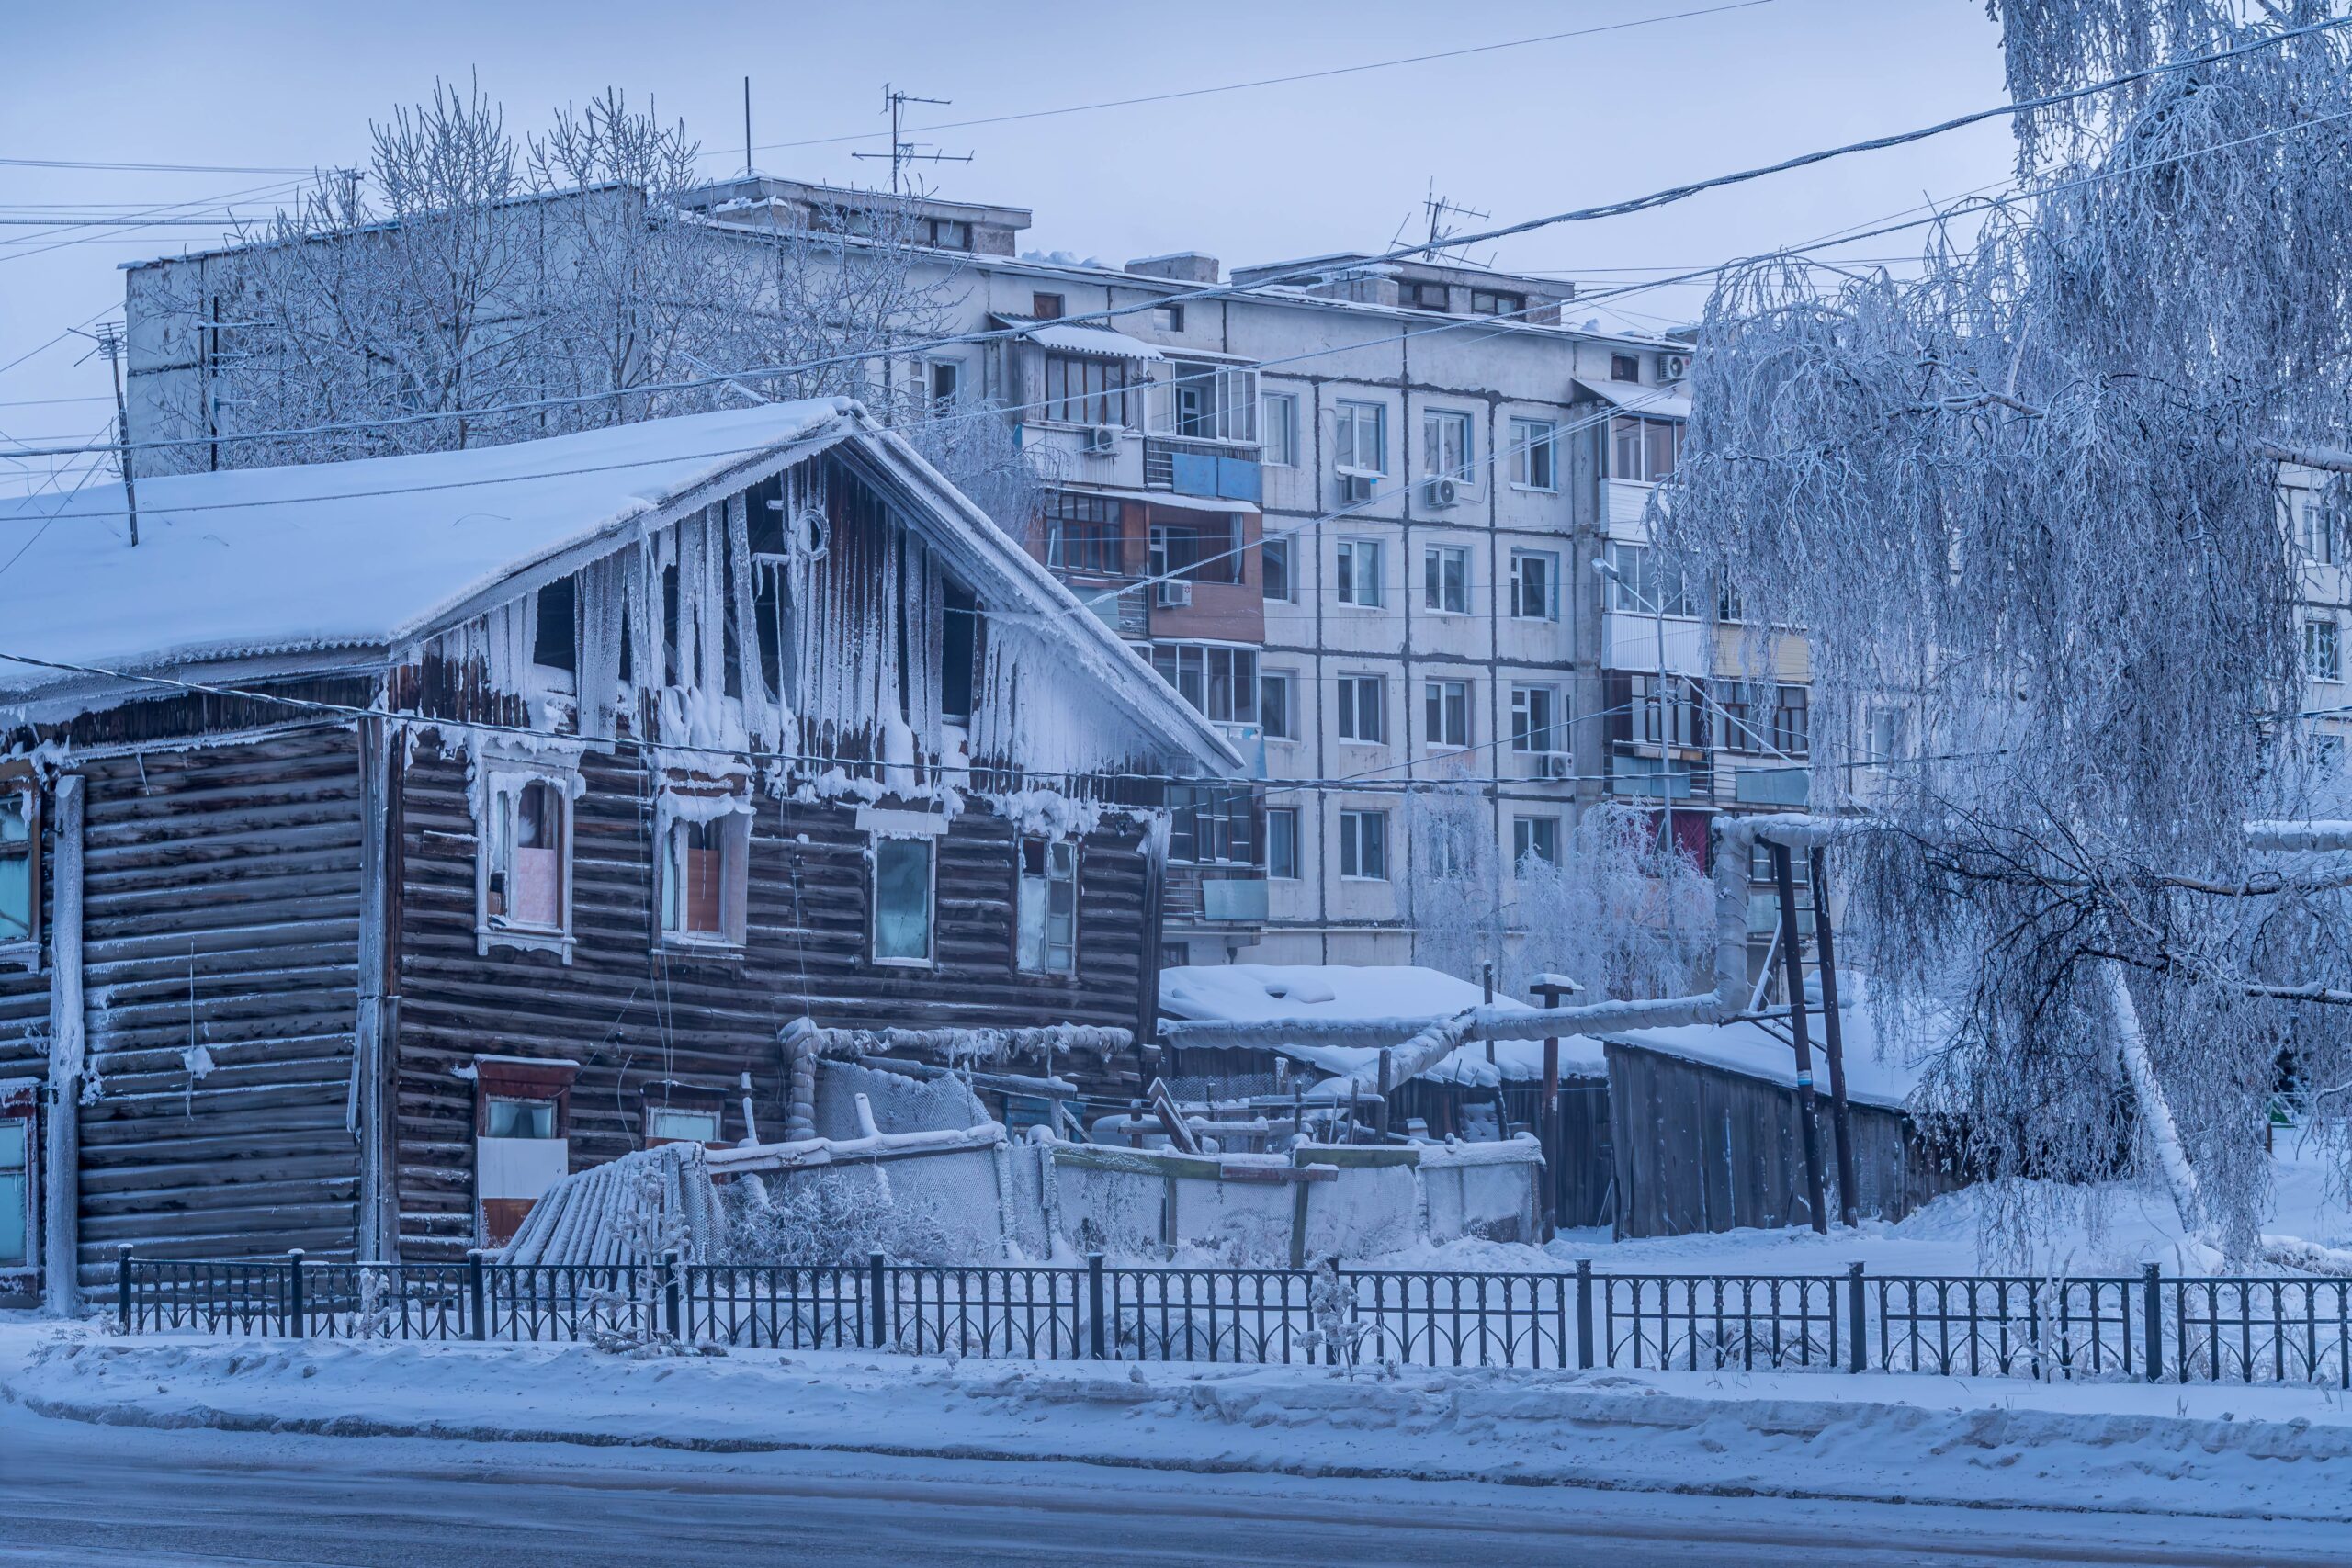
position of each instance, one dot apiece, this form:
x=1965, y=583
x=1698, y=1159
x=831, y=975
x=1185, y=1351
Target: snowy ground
x=2211, y=1451
x=2107, y=1231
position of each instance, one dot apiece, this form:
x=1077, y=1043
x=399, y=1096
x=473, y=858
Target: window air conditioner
x=1552, y=764
x=1175, y=593
x=1441, y=493
x=1102, y=440
x=1355, y=488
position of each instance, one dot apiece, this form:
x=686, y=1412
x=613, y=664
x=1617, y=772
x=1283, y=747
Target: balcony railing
x=1223, y=470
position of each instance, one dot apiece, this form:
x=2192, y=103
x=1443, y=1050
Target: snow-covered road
x=73, y=1493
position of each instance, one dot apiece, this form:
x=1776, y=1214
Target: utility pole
x=109, y=338
x=1825, y=956
x=1792, y=961
x=902, y=152
x=747, y=127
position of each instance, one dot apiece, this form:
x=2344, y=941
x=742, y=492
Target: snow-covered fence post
x=296, y=1319
x=2152, y=1308
x=671, y=1277
x=1097, y=1334
x=878, y=1312
x=122, y=1284
x=477, y=1293
x=1857, y=1321
x=1584, y=1313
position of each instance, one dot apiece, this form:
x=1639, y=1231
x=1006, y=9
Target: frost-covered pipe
x=62, y=1283
x=799, y=1040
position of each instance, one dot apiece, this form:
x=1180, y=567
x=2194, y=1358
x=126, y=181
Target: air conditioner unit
x=1552, y=764
x=1356, y=489
x=1175, y=593
x=1441, y=493
x=1102, y=440
x=1673, y=366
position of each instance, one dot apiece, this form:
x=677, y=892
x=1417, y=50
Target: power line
x=154, y=168
x=1259, y=82
x=1578, y=215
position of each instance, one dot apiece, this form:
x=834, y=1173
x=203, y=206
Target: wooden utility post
x=1833, y=1042
x=110, y=340
x=1793, y=962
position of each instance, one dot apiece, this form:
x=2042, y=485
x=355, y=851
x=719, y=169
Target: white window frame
x=1528, y=436
x=1288, y=681
x=733, y=823
x=500, y=785
x=1551, y=564
x=1360, y=827
x=1524, y=731
x=1354, y=420
x=1349, y=709
x=1287, y=814
x=1042, y=884
x=1351, y=576
x=1437, y=558
x=1445, y=701
x=2322, y=648
x=1523, y=836
x=1268, y=548
x=1278, y=429
x=1436, y=425
x=930, y=959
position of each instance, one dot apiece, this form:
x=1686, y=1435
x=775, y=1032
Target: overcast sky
x=1249, y=175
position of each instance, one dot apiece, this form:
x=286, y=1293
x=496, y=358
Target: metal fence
x=2150, y=1326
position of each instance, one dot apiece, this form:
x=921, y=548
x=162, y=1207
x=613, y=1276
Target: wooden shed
x=380, y=840
x=1707, y=1135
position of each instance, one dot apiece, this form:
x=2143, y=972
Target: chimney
x=1179, y=267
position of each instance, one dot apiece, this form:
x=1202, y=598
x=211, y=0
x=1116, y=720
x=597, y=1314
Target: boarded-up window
x=702, y=875
x=1048, y=922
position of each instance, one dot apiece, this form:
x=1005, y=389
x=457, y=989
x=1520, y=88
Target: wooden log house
x=380, y=839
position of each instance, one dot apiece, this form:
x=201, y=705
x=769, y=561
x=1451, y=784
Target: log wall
x=221, y=911
x=635, y=1014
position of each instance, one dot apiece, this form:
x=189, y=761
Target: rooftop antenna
x=1439, y=209
x=747, y=127
x=902, y=152
x=108, y=338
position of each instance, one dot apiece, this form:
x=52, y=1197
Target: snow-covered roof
x=1100, y=341
x=1658, y=402
x=1882, y=1066
x=1410, y=996
x=360, y=554
x=373, y=554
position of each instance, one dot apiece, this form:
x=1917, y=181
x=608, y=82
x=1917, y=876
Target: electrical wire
x=1221, y=291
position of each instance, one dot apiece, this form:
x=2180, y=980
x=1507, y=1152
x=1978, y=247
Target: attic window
x=958, y=647
x=554, y=643
x=1046, y=307
x=19, y=861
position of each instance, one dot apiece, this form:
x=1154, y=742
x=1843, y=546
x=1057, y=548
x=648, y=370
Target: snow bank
x=2165, y=1450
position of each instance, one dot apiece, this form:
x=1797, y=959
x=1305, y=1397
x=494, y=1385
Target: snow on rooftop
x=1100, y=341
x=1661, y=402
x=353, y=554
x=1882, y=1066
x=1258, y=993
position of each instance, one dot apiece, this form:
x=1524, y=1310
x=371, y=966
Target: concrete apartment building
x=1384, y=520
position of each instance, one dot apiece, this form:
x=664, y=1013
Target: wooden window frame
x=734, y=822
x=1021, y=843
x=506, y=776
x=670, y=1094
x=930, y=960
x=524, y=1078
x=21, y=780
x=22, y=1104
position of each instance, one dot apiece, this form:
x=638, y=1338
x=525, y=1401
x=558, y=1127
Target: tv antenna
x=904, y=151
x=1438, y=208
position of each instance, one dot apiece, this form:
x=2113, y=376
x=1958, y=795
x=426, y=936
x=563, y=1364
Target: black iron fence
x=2151, y=1326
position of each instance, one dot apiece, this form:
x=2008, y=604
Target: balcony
x=1217, y=470
x=1127, y=613
x=1214, y=895
x=1108, y=455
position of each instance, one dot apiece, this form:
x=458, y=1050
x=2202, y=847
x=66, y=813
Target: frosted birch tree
x=562, y=282
x=2035, y=489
